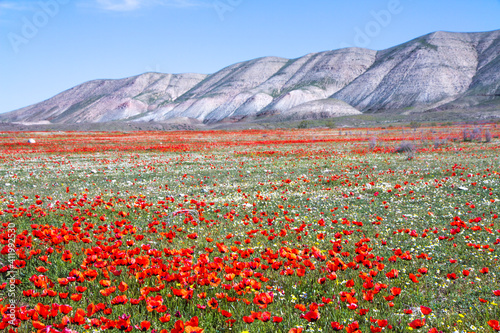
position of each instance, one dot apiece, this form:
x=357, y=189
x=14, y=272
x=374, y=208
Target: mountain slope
x=107, y=100
x=431, y=69
x=441, y=70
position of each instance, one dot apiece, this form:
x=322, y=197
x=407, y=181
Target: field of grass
x=251, y=231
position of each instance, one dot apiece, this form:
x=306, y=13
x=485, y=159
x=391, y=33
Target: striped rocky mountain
x=441, y=70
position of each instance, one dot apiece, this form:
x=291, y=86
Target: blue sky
x=47, y=46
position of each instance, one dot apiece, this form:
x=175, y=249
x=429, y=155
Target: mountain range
x=435, y=72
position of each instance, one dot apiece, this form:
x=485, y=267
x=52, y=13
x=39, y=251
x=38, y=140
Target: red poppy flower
x=423, y=270
x=179, y=327
x=225, y=313
x=311, y=316
x=229, y=277
x=248, y=319
x=368, y=295
x=336, y=326
x=413, y=278
x=154, y=303
x=395, y=291
x=417, y=323
x=326, y=300
x=38, y=325
x=67, y=256
x=62, y=281
x=165, y=318
x=192, y=325
x=382, y=322
x=145, y=325
x=230, y=322
x=392, y=274
x=79, y=317
x=42, y=310
x=94, y=322
x=263, y=299
x=121, y=299
x=295, y=330
x=41, y=269
x=353, y=327
x=265, y=316
x=213, y=303
x=362, y=312
x=494, y=324
x=425, y=310
x=65, y=309
x=81, y=289
x=123, y=287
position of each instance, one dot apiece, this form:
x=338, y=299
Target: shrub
x=415, y=124
x=476, y=135
x=330, y=124
x=438, y=142
x=408, y=148
x=303, y=124
x=487, y=136
x=405, y=147
x=466, y=135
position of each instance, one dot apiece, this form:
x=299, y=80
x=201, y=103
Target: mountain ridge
x=438, y=71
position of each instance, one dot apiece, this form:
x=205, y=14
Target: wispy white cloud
x=10, y=10
x=6, y=6
x=132, y=5
x=120, y=5
x=187, y=3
